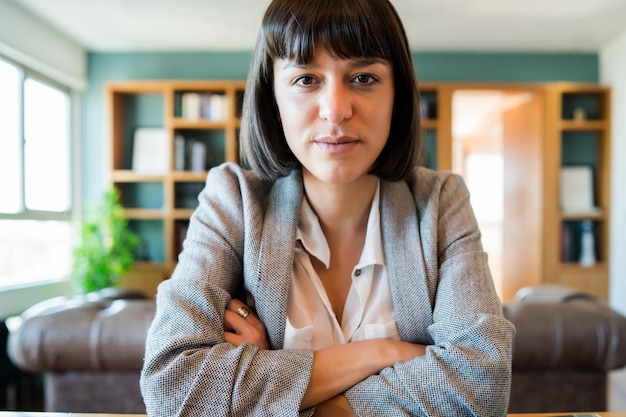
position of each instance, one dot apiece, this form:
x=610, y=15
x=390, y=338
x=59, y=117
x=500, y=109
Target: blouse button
x=357, y=272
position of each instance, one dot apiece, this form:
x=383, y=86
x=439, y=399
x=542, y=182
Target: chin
x=342, y=178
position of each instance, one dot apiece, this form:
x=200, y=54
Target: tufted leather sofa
x=566, y=342
x=91, y=350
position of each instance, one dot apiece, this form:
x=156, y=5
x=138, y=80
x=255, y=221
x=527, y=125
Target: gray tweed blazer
x=239, y=244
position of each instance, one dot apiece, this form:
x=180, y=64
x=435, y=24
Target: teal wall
x=430, y=66
x=506, y=67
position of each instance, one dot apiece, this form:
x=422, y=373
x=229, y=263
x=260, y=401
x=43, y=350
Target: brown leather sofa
x=91, y=350
x=566, y=342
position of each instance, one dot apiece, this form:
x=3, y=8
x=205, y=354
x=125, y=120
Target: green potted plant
x=107, y=247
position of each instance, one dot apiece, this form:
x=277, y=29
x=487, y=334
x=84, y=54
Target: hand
x=337, y=368
x=336, y=407
x=239, y=330
x=402, y=351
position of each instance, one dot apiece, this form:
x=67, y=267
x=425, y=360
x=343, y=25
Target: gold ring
x=243, y=311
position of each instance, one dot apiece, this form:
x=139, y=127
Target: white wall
x=613, y=73
x=32, y=42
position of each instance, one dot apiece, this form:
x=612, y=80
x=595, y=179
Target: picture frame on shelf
x=577, y=189
x=150, y=150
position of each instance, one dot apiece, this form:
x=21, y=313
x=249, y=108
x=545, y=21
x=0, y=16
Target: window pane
x=10, y=167
x=34, y=251
x=47, y=150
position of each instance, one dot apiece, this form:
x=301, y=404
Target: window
x=36, y=234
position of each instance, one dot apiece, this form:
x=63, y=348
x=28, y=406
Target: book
x=191, y=106
x=218, y=107
x=179, y=153
x=209, y=106
x=150, y=150
x=198, y=156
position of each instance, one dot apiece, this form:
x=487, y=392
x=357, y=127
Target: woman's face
x=335, y=113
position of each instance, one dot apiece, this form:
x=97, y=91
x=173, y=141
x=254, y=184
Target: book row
x=210, y=106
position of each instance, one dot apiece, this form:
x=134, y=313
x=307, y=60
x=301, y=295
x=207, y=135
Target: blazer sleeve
x=189, y=369
x=467, y=366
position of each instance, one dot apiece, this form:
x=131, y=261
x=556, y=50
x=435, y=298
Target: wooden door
x=523, y=194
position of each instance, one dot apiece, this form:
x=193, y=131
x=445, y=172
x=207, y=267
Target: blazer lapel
x=276, y=255
x=404, y=257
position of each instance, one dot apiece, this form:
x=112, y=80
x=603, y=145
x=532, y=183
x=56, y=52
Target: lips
x=336, y=144
x=336, y=140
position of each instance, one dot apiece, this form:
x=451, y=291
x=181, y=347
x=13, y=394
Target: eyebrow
x=355, y=62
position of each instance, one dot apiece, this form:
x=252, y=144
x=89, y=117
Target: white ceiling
x=457, y=25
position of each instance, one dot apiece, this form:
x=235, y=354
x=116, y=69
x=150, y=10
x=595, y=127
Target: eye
x=304, y=81
x=366, y=79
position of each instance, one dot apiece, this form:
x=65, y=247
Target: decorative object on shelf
x=106, y=247
x=150, y=150
x=580, y=114
x=587, y=244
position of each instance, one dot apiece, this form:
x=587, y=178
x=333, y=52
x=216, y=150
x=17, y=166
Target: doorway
x=497, y=137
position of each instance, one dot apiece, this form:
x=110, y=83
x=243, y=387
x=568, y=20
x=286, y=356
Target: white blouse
x=368, y=312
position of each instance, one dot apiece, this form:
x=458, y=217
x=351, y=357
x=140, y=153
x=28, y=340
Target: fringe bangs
x=346, y=29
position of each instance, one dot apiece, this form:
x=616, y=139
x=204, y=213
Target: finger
x=235, y=323
x=228, y=321
x=242, y=310
x=233, y=339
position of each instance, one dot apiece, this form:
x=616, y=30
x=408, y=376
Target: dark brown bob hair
x=347, y=29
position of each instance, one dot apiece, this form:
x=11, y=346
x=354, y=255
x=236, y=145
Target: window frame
x=30, y=214
x=17, y=296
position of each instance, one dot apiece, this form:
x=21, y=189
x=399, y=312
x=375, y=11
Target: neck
x=343, y=209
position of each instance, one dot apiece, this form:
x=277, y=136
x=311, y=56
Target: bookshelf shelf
x=144, y=214
x=574, y=125
x=182, y=214
x=127, y=175
x=199, y=176
x=429, y=124
x=596, y=216
x=180, y=123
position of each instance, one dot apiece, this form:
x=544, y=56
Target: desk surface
x=44, y=414
x=603, y=414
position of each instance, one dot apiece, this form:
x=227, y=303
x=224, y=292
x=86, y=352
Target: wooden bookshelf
x=435, y=123
x=577, y=134
x=563, y=129
x=158, y=205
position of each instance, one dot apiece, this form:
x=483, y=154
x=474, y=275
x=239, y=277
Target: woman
x=333, y=277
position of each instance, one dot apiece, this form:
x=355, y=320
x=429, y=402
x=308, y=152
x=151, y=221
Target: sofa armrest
x=82, y=335
x=562, y=329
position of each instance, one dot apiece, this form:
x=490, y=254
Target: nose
x=335, y=103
